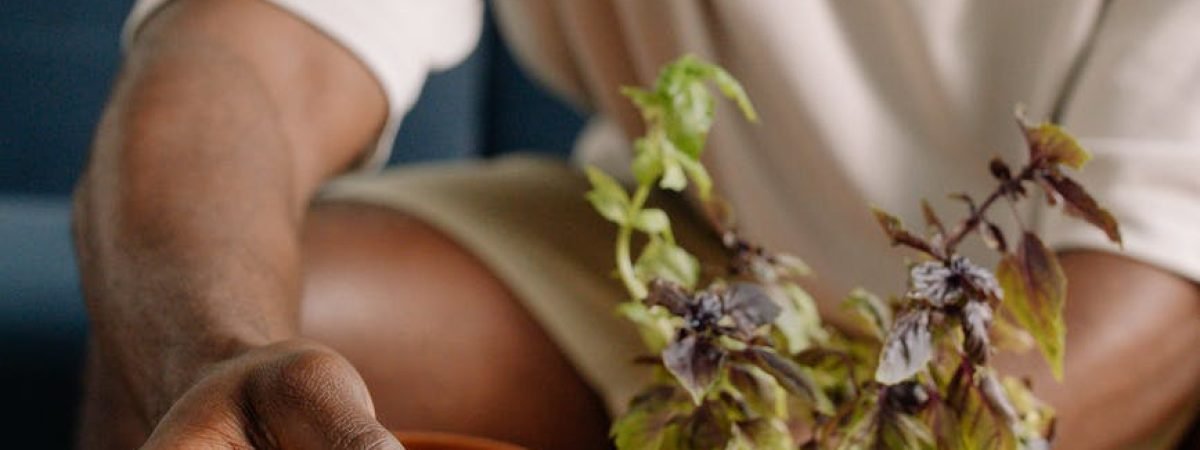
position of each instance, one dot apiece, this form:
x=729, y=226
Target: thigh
x=441, y=342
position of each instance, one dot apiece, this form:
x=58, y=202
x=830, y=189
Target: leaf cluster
x=943, y=335
x=743, y=360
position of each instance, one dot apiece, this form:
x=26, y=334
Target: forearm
x=185, y=259
x=187, y=217
x=1132, y=335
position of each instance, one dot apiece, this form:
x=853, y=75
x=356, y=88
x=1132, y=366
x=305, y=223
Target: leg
x=439, y=340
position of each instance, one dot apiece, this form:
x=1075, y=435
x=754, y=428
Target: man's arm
x=226, y=118
x=1133, y=331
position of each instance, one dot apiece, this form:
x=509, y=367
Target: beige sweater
x=862, y=102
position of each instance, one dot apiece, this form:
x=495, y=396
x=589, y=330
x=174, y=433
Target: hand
x=289, y=395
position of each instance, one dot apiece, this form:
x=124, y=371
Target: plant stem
x=624, y=238
x=972, y=222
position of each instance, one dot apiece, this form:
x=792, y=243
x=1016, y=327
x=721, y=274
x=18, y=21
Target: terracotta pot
x=426, y=440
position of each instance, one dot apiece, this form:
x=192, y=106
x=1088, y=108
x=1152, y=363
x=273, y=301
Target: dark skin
x=1127, y=322
x=229, y=313
x=190, y=225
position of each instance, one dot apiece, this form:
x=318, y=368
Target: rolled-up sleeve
x=1137, y=109
x=399, y=41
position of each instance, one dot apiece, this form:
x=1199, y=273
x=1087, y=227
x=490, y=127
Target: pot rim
x=444, y=438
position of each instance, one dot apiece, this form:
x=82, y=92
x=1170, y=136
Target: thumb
x=348, y=434
x=318, y=400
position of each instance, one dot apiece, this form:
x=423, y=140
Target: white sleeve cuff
x=399, y=41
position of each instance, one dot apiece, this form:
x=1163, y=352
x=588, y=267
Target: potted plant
x=744, y=362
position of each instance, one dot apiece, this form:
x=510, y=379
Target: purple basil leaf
x=706, y=310
x=668, y=295
x=1051, y=198
x=981, y=280
x=976, y=321
x=908, y=348
x=908, y=397
x=898, y=234
x=935, y=283
x=942, y=285
x=966, y=199
x=993, y=236
x=1081, y=204
x=750, y=307
x=931, y=219
x=1000, y=169
x=695, y=361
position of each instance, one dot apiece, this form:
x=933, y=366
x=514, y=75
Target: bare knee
x=441, y=342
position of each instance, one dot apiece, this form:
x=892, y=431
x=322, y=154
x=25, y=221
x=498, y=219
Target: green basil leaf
x=873, y=313
x=759, y=390
x=765, y=434
x=699, y=176
x=662, y=259
x=799, y=321
x=649, y=421
x=607, y=196
x=647, y=163
x=689, y=116
x=652, y=221
x=1047, y=140
x=902, y=431
x=1008, y=336
x=1035, y=291
x=653, y=324
x=860, y=431
x=733, y=90
x=686, y=104
x=647, y=101
x=707, y=429
x=1036, y=416
x=966, y=420
x=796, y=379
x=673, y=178
x=791, y=266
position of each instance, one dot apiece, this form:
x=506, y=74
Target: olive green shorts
x=527, y=220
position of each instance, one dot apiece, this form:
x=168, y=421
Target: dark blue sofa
x=57, y=59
